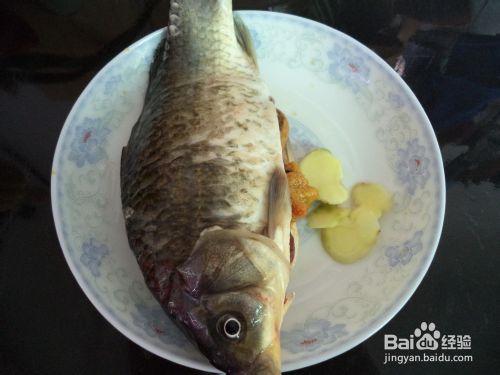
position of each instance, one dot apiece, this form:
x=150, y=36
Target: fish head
x=243, y=332
x=229, y=299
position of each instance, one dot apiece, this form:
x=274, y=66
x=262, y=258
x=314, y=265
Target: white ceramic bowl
x=339, y=95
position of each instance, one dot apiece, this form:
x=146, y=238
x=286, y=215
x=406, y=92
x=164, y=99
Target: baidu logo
x=426, y=344
x=427, y=337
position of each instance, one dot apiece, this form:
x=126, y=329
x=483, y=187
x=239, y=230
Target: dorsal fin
x=244, y=38
x=157, y=67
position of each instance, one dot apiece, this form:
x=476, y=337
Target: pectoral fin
x=287, y=153
x=279, y=210
x=209, y=229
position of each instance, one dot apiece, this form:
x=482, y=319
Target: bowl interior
x=337, y=94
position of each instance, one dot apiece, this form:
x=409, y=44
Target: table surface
x=448, y=53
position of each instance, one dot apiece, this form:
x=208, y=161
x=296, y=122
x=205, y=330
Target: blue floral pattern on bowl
x=313, y=334
x=401, y=255
x=112, y=84
x=89, y=142
x=348, y=68
x=395, y=100
x=93, y=254
x=413, y=166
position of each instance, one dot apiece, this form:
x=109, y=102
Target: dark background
x=50, y=49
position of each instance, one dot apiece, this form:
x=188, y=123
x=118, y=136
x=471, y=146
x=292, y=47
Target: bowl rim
x=355, y=340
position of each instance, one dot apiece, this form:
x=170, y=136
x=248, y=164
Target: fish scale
x=203, y=155
x=173, y=134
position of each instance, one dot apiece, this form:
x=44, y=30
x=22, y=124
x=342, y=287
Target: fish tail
x=186, y=15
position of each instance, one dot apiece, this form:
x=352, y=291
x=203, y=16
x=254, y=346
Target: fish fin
x=158, y=62
x=244, y=38
x=294, y=243
x=210, y=229
x=287, y=153
x=289, y=297
x=279, y=209
x=122, y=162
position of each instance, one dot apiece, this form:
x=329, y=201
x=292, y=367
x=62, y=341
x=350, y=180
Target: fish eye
x=230, y=326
